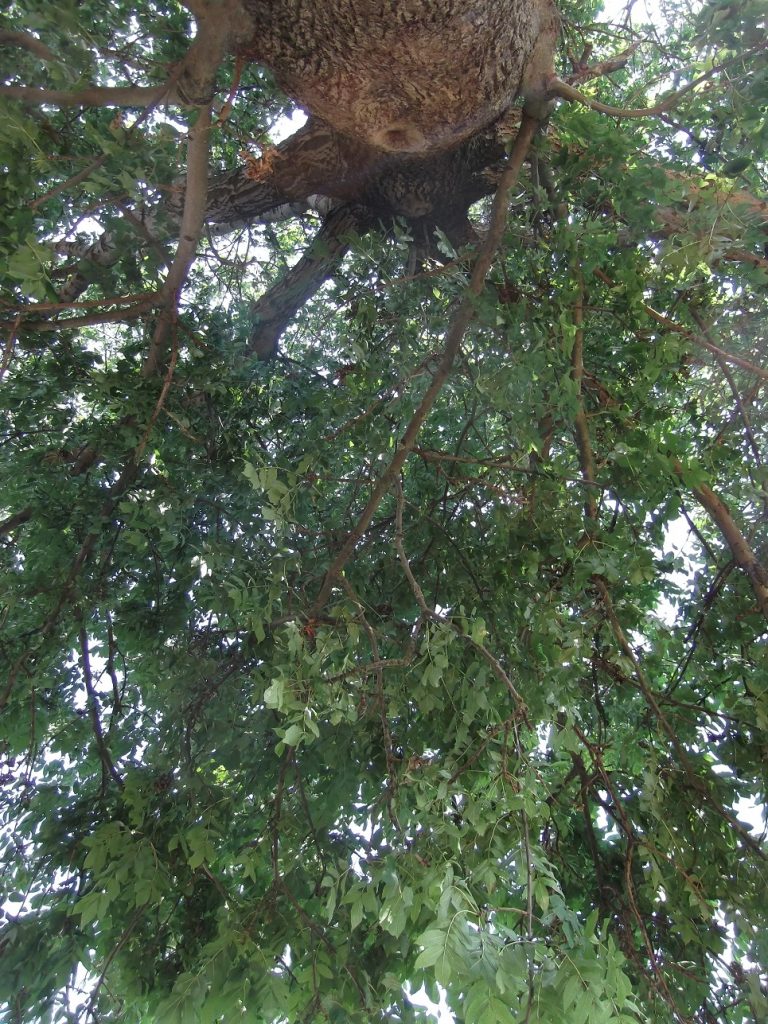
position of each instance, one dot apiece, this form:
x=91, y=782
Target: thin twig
x=562, y=90
x=432, y=615
x=93, y=706
x=696, y=339
x=70, y=182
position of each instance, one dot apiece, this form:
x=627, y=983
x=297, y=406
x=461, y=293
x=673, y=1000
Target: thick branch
x=220, y=28
x=276, y=308
x=191, y=227
x=28, y=42
x=92, y=96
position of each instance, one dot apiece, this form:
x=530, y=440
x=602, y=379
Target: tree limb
x=696, y=339
x=92, y=96
x=189, y=235
x=453, y=339
x=28, y=42
x=272, y=313
x=558, y=89
x=742, y=553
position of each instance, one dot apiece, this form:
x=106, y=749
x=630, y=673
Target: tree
x=384, y=587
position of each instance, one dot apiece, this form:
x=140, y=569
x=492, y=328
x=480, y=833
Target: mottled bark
x=413, y=76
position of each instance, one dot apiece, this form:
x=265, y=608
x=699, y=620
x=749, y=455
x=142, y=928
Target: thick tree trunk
x=411, y=76
x=403, y=98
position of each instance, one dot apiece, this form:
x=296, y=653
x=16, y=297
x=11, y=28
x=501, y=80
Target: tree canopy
x=384, y=594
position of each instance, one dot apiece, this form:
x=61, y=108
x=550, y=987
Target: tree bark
x=406, y=77
x=272, y=313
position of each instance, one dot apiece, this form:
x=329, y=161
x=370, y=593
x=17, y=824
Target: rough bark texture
x=319, y=161
x=406, y=102
x=411, y=76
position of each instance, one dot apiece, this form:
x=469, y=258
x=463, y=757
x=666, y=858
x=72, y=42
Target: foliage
x=510, y=755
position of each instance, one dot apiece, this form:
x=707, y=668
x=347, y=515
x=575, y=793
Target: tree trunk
x=412, y=76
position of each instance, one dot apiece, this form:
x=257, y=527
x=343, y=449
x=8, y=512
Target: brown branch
x=161, y=398
x=454, y=337
x=10, y=345
x=72, y=322
x=562, y=90
x=757, y=575
x=273, y=311
x=740, y=407
x=192, y=220
x=70, y=182
x=12, y=522
x=93, y=706
x=432, y=615
x=386, y=733
x=28, y=42
x=695, y=339
x=191, y=228
x=127, y=932
x=92, y=96
x=220, y=26
x=116, y=300
x=583, y=72
x=697, y=783
x=742, y=553
x=661, y=981
x=703, y=343
x=580, y=426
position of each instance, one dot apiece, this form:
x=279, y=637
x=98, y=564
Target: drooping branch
x=691, y=336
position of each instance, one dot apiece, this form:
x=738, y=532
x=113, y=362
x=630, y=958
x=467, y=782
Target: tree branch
x=276, y=308
x=28, y=42
x=558, y=89
x=189, y=235
x=742, y=553
x=454, y=336
x=695, y=339
x=92, y=96
x=93, y=706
